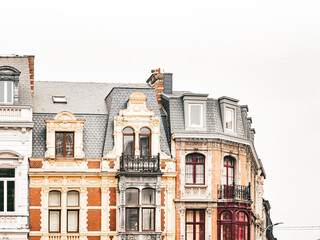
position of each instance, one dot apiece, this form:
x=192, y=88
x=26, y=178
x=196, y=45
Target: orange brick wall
x=94, y=238
x=94, y=219
x=35, y=164
x=178, y=179
x=35, y=219
x=35, y=238
x=214, y=224
x=177, y=225
x=113, y=219
x=94, y=164
x=35, y=196
x=113, y=196
x=162, y=219
x=163, y=190
x=94, y=196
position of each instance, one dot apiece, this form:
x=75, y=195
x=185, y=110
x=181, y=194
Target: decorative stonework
x=65, y=122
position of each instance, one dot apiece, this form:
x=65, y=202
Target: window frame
x=190, y=113
x=73, y=208
x=194, y=223
x=227, y=167
x=233, y=120
x=138, y=218
x=128, y=134
x=64, y=144
x=49, y=220
x=194, y=164
x=145, y=134
x=5, y=181
x=5, y=92
x=54, y=208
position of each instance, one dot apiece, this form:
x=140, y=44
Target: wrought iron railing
x=129, y=163
x=234, y=192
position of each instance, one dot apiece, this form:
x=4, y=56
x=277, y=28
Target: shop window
x=226, y=226
x=195, y=169
x=242, y=226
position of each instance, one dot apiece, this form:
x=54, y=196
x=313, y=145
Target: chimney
x=31, y=72
x=161, y=82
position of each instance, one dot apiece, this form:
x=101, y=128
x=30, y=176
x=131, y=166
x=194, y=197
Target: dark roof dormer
x=9, y=81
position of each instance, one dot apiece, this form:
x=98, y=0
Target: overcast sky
x=264, y=53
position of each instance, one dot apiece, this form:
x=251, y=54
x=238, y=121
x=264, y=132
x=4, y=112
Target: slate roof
x=174, y=106
x=21, y=63
x=87, y=101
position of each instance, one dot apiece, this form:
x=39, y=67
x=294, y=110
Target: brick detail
x=162, y=219
x=163, y=165
x=94, y=220
x=35, y=237
x=93, y=238
x=113, y=196
x=113, y=219
x=35, y=164
x=163, y=191
x=177, y=225
x=178, y=179
x=31, y=71
x=94, y=196
x=94, y=164
x=111, y=164
x=35, y=220
x=35, y=196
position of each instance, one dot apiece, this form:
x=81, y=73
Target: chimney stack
x=31, y=72
x=161, y=82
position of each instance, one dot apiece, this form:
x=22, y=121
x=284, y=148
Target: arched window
x=73, y=211
x=145, y=141
x=228, y=171
x=242, y=226
x=195, y=169
x=54, y=211
x=128, y=141
x=225, y=226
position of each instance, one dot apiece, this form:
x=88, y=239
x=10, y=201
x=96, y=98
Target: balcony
x=129, y=163
x=234, y=191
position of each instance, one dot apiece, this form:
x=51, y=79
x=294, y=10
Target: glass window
x=73, y=220
x=148, y=219
x=147, y=196
x=132, y=196
x=128, y=141
x=195, y=165
x=229, y=122
x=54, y=199
x=145, y=141
x=7, y=190
x=195, y=115
x=6, y=91
x=195, y=224
x=228, y=171
x=54, y=220
x=132, y=215
x=64, y=144
x=73, y=199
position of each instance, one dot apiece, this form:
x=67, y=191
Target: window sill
x=195, y=186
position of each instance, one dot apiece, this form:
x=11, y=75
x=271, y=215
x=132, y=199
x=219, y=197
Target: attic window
x=59, y=99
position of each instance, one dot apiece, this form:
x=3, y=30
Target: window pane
x=132, y=196
x=195, y=114
x=1, y=91
x=73, y=198
x=54, y=221
x=225, y=232
x=69, y=144
x=9, y=92
x=6, y=172
x=226, y=216
x=199, y=158
x=144, y=145
x=199, y=174
x=189, y=173
x=145, y=130
x=59, y=144
x=189, y=216
x=229, y=118
x=148, y=219
x=54, y=199
x=1, y=196
x=132, y=219
x=128, y=145
x=189, y=231
x=189, y=158
x=10, y=196
x=147, y=196
x=73, y=216
x=128, y=130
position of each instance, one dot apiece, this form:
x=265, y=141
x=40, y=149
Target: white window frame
x=190, y=113
x=5, y=93
x=5, y=185
x=233, y=111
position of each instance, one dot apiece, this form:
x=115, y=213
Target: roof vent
x=59, y=99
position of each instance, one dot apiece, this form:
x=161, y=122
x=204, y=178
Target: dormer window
x=128, y=141
x=195, y=115
x=229, y=119
x=64, y=144
x=6, y=91
x=145, y=141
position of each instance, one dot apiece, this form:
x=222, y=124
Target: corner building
x=16, y=86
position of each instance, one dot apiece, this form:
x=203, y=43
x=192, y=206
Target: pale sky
x=264, y=53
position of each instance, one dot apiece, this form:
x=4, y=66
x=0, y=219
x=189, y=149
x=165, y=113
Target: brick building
x=141, y=161
x=16, y=84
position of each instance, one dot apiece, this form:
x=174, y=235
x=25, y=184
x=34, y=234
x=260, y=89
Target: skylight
x=59, y=99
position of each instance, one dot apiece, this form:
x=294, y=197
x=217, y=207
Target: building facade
x=16, y=86
x=140, y=162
